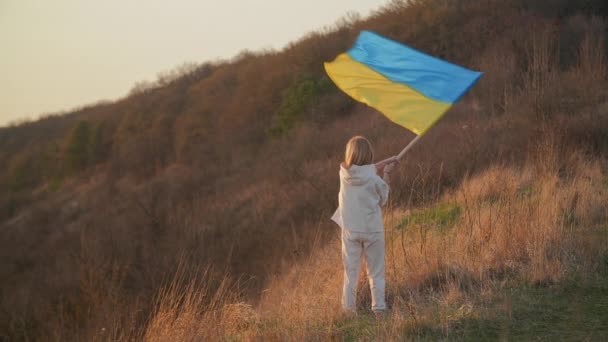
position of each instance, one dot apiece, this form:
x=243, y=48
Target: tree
x=77, y=151
x=296, y=99
x=95, y=146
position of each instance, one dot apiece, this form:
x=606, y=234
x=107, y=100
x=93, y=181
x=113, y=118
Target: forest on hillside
x=224, y=174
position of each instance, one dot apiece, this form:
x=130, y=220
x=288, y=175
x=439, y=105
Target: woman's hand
x=380, y=166
x=388, y=168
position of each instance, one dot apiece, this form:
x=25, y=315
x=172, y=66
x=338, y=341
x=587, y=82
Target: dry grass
x=192, y=309
x=514, y=225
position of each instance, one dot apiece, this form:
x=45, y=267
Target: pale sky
x=56, y=55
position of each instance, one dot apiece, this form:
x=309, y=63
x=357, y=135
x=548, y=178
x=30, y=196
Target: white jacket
x=362, y=193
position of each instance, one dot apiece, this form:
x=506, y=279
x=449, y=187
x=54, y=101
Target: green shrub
x=95, y=148
x=20, y=173
x=297, y=99
x=77, y=155
x=442, y=216
x=85, y=146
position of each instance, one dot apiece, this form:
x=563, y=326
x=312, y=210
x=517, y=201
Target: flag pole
x=400, y=155
x=407, y=148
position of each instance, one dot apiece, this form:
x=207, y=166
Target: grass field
x=511, y=254
x=574, y=311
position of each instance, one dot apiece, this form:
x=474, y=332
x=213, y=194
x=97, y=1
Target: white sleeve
x=382, y=190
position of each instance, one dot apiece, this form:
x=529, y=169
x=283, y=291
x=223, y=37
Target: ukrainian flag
x=411, y=88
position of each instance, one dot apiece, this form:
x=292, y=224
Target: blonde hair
x=359, y=151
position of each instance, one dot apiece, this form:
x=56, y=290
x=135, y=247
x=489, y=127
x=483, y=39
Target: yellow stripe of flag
x=400, y=103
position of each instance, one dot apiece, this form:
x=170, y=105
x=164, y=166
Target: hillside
x=198, y=206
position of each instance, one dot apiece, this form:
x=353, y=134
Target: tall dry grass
x=194, y=309
x=537, y=224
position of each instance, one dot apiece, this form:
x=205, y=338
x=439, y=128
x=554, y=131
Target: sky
x=62, y=54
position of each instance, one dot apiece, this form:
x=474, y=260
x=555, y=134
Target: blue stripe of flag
x=433, y=77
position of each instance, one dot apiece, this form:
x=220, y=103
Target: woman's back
x=362, y=192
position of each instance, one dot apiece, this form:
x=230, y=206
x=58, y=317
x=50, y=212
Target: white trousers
x=354, y=245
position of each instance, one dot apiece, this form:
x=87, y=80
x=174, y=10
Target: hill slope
x=232, y=166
